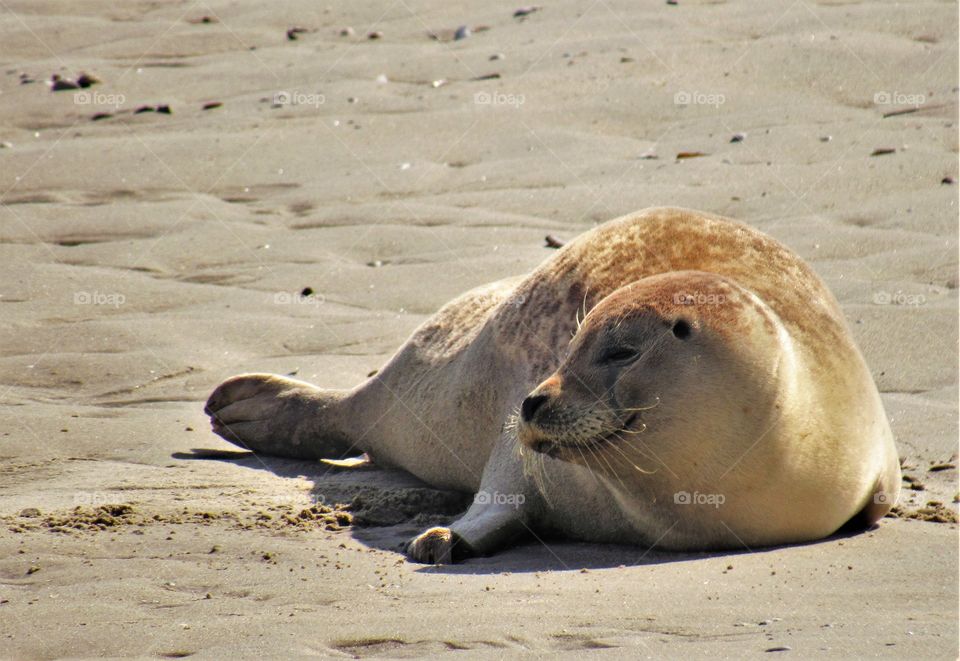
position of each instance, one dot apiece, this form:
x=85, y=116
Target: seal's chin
x=569, y=450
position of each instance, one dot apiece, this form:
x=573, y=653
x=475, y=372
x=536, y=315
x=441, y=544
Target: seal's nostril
x=530, y=405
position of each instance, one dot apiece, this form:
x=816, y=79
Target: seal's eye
x=681, y=329
x=618, y=355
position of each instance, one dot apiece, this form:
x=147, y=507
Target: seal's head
x=669, y=375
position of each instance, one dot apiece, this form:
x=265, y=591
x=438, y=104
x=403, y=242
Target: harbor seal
x=711, y=397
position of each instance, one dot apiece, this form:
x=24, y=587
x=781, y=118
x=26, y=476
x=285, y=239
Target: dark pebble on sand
x=376, y=34
x=948, y=180
x=489, y=76
x=941, y=467
x=293, y=32
x=525, y=11
x=883, y=151
x=164, y=110
x=462, y=33
x=738, y=137
x=58, y=84
x=101, y=115
x=143, y=109
x=212, y=105
x=553, y=242
x=778, y=648
x=86, y=80
x=306, y=291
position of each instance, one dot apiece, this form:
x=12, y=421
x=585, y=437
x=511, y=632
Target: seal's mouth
x=557, y=450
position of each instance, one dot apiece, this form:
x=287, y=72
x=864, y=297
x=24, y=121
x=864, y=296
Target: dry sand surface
x=146, y=256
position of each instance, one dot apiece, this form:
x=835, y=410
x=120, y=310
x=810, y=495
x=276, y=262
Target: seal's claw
x=437, y=546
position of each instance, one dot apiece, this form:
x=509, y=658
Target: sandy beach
x=162, y=217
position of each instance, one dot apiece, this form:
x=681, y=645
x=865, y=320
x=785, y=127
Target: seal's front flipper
x=353, y=463
x=484, y=529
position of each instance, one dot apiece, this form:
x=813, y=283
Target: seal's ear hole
x=681, y=329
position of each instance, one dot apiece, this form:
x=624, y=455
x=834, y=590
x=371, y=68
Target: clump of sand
x=933, y=512
x=112, y=516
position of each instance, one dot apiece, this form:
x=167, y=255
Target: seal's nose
x=529, y=407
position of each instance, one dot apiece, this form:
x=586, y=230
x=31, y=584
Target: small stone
x=347, y=32
x=948, y=181
x=462, y=33
x=376, y=34
x=86, y=80
x=58, y=84
x=738, y=137
x=30, y=512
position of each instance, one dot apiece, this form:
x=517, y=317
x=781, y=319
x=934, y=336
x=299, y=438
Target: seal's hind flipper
x=353, y=463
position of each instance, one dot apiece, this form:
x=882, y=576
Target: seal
x=711, y=397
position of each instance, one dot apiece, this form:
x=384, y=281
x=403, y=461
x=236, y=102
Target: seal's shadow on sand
x=390, y=507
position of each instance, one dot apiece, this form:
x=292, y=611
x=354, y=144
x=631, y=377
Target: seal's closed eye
x=618, y=355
